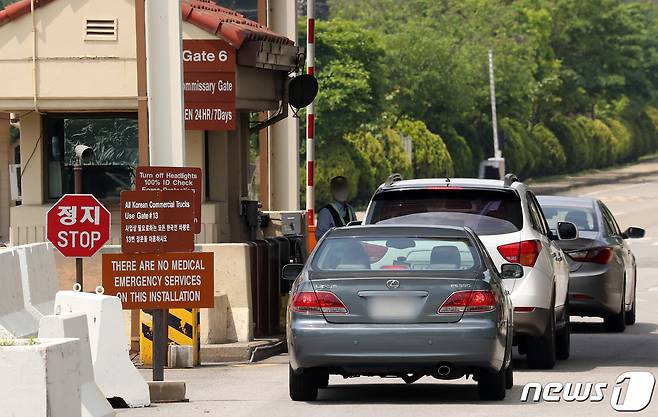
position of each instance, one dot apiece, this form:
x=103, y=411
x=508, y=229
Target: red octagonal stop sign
x=78, y=225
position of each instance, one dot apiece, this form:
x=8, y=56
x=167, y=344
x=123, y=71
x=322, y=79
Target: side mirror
x=291, y=271
x=567, y=231
x=511, y=271
x=633, y=233
x=354, y=223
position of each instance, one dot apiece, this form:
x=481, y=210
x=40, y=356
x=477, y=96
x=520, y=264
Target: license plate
x=393, y=308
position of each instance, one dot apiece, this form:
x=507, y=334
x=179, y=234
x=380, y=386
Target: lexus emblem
x=392, y=284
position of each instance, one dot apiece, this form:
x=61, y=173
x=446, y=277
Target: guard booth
x=73, y=71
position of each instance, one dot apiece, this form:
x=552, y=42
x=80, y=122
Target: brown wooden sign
x=148, y=178
x=209, y=84
x=210, y=116
x=160, y=281
x=208, y=55
x=157, y=221
x=209, y=87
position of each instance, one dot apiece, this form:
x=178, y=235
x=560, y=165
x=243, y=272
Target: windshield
x=395, y=253
x=487, y=212
x=584, y=218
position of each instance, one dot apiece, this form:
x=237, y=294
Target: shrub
x=514, y=147
x=335, y=159
x=574, y=141
x=395, y=153
x=460, y=153
x=622, y=140
x=430, y=156
x=375, y=166
x=550, y=159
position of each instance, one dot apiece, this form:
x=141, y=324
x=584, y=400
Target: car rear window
x=584, y=218
x=487, y=212
x=396, y=254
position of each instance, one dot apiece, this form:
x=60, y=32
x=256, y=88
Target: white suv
x=506, y=216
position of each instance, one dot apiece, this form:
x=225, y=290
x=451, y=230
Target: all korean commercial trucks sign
x=78, y=225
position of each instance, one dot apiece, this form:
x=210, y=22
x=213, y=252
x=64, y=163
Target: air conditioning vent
x=101, y=29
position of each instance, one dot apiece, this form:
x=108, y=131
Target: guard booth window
x=114, y=141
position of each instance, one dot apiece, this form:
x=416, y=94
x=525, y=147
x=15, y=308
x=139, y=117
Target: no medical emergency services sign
x=78, y=225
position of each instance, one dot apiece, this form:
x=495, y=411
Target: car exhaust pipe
x=444, y=370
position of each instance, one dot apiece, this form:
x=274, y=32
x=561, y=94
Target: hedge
x=431, y=158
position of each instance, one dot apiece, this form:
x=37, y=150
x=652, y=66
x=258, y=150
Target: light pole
x=83, y=153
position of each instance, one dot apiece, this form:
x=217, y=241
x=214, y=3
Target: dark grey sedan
x=602, y=277
x=399, y=301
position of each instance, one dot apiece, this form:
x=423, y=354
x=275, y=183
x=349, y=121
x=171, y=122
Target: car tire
x=492, y=385
x=630, y=315
x=563, y=339
x=321, y=379
x=541, y=351
x=509, y=376
x=616, y=323
x=302, y=386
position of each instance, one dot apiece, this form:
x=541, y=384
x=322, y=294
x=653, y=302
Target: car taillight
x=395, y=267
x=597, y=255
x=476, y=301
x=524, y=253
x=309, y=302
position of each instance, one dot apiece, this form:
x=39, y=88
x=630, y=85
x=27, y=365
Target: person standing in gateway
x=338, y=213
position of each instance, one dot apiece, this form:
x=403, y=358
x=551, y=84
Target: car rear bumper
x=532, y=323
x=597, y=294
x=470, y=343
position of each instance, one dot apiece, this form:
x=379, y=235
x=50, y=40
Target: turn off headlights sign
x=209, y=84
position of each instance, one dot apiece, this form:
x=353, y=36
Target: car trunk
x=580, y=244
x=370, y=300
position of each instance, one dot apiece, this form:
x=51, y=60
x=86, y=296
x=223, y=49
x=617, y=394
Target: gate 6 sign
x=78, y=225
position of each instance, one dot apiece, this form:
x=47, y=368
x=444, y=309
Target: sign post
x=78, y=226
x=158, y=269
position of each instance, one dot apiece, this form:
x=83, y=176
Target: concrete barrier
x=93, y=402
x=40, y=379
x=39, y=277
x=15, y=320
x=114, y=372
x=233, y=278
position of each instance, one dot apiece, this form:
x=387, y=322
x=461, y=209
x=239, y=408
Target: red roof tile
x=220, y=21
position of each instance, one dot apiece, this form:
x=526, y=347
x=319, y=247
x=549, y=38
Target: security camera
x=84, y=153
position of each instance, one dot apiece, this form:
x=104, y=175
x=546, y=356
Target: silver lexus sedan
x=399, y=301
x=602, y=277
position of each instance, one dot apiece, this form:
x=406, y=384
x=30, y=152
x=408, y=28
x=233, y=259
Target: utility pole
x=494, y=121
x=164, y=66
x=310, y=121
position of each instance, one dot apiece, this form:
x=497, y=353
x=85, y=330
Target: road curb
x=576, y=182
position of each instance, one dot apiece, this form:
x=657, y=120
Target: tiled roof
x=207, y=15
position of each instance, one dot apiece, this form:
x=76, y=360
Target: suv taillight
x=309, y=302
x=476, y=301
x=600, y=256
x=524, y=253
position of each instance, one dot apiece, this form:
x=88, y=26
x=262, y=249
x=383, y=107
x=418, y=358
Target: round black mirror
x=302, y=90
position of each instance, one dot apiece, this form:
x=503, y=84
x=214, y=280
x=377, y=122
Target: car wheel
x=491, y=385
x=563, y=340
x=541, y=352
x=302, y=386
x=321, y=379
x=630, y=315
x=616, y=323
x=509, y=376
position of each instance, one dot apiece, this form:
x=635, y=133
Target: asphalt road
x=261, y=389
